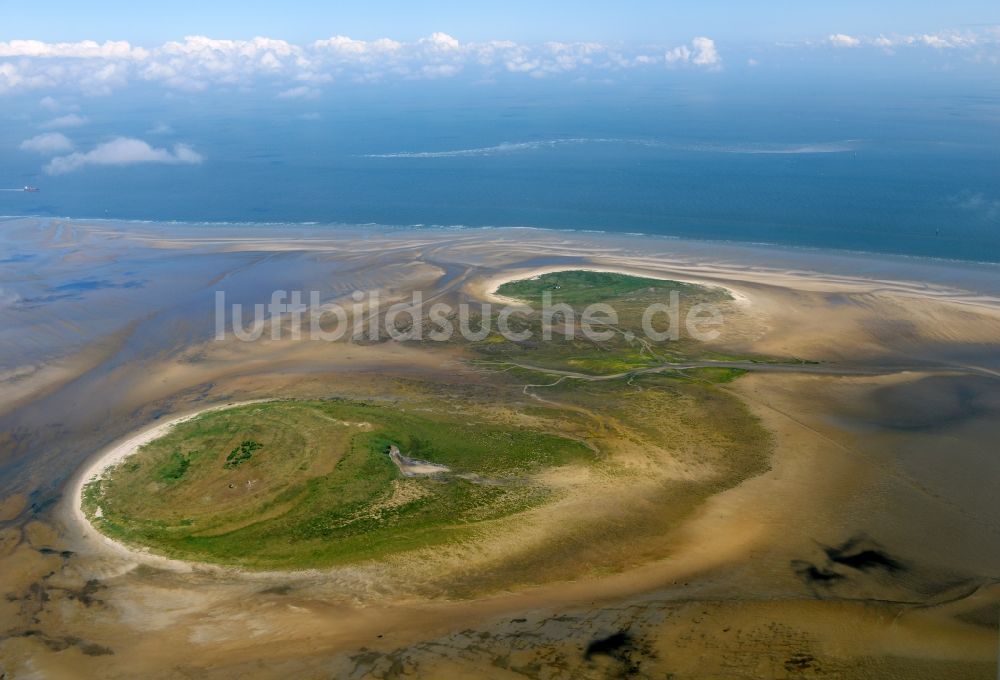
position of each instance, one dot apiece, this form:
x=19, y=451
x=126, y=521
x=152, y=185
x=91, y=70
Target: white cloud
x=48, y=143
x=300, y=92
x=198, y=63
x=441, y=41
x=678, y=54
x=67, y=121
x=555, y=58
x=946, y=40
x=705, y=53
x=937, y=41
x=341, y=43
x=123, y=151
x=702, y=52
x=842, y=40
x=86, y=49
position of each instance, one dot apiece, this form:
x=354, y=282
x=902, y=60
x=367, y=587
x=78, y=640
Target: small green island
x=297, y=484
x=584, y=286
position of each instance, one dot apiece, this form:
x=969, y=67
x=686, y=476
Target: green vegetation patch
x=175, y=467
x=714, y=374
x=624, y=345
x=327, y=491
x=580, y=287
x=242, y=453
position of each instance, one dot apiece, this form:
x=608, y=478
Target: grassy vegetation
x=175, y=467
x=579, y=287
x=628, y=347
x=326, y=492
x=714, y=374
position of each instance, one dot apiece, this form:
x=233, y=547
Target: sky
x=66, y=65
x=301, y=51
x=744, y=21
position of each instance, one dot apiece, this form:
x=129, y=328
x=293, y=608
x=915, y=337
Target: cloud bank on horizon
x=118, y=151
x=951, y=40
x=199, y=63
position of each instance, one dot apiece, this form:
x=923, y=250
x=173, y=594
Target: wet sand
x=862, y=552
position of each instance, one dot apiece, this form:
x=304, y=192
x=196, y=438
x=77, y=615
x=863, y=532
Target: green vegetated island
x=554, y=433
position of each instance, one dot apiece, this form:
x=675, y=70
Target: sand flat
x=754, y=567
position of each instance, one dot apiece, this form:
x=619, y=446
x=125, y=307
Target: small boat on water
x=29, y=188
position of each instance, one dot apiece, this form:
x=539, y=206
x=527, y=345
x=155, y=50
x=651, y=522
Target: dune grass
x=301, y=484
x=581, y=287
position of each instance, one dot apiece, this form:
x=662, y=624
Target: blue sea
x=878, y=167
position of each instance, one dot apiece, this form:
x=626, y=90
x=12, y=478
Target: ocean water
x=878, y=168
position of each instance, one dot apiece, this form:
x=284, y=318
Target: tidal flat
x=816, y=481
